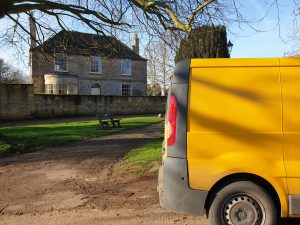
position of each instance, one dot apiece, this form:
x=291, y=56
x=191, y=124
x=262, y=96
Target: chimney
x=32, y=30
x=32, y=56
x=136, y=44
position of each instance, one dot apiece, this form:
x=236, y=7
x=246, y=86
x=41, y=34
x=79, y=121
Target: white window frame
x=130, y=89
x=65, y=89
x=49, y=89
x=56, y=62
x=130, y=68
x=69, y=91
x=99, y=69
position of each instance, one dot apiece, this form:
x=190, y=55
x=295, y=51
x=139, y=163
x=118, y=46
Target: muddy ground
x=77, y=184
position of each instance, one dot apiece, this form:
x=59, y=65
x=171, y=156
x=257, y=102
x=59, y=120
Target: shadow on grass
x=91, y=149
x=24, y=139
x=110, y=147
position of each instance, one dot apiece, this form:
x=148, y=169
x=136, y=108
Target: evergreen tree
x=204, y=42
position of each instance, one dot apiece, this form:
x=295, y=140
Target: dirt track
x=76, y=184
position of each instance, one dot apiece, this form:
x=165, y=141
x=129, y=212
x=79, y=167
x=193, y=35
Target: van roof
x=247, y=62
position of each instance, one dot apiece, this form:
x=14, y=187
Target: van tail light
x=172, y=115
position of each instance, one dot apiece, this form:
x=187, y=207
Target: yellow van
x=232, y=140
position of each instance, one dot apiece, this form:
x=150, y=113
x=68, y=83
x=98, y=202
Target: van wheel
x=242, y=203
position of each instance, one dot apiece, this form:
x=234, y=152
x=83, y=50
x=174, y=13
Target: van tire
x=242, y=200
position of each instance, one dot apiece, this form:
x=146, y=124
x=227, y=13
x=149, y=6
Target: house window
x=72, y=89
x=48, y=88
x=96, y=65
x=126, y=67
x=62, y=89
x=126, y=89
x=60, y=62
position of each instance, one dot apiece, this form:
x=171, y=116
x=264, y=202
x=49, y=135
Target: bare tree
x=294, y=31
x=120, y=18
x=160, y=64
x=10, y=75
x=107, y=16
x=154, y=89
x=97, y=13
x=102, y=16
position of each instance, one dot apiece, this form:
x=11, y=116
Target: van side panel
x=235, y=126
x=291, y=131
x=238, y=99
x=235, y=62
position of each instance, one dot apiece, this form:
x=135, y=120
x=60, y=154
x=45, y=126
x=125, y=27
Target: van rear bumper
x=174, y=191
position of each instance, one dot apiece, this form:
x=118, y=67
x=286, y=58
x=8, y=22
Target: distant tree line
x=160, y=67
x=10, y=75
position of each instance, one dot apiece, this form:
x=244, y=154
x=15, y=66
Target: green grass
x=144, y=160
x=19, y=139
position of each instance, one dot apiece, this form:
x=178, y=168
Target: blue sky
x=248, y=43
x=272, y=41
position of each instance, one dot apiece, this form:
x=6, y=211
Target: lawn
x=29, y=138
x=144, y=160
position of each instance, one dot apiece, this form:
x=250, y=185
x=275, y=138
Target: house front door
x=95, y=91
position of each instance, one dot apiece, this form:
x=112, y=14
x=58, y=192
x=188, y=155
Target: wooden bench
x=105, y=120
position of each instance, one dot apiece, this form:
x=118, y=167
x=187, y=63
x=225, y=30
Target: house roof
x=77, y=43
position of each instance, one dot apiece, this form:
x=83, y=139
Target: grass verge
x=142, y=161
x=21, y=139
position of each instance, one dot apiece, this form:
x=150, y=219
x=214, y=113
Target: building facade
x=74, y=63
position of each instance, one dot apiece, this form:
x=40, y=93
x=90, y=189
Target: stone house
x=75, y=63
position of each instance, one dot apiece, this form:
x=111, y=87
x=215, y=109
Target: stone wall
x=19, y=102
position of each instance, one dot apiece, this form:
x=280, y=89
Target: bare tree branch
x=122, y=17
